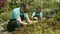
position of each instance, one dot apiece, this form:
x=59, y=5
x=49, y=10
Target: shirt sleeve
x=41, y=15
x=33, y=14
x=26, y=15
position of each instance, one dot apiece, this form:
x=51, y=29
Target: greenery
x=45, y=26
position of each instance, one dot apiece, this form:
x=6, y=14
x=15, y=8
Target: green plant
x=58, y=16
x=5, y=16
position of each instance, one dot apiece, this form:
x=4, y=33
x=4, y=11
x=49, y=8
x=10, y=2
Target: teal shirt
x=16, y=14
x=40, y=14
x=26, y=15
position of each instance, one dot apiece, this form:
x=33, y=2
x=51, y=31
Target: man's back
x=15, y=14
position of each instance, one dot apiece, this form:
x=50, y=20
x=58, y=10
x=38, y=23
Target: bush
x=5, y=16
x=58, y=16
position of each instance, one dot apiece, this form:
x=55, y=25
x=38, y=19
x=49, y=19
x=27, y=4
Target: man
x=17, y=16
x=37, y=14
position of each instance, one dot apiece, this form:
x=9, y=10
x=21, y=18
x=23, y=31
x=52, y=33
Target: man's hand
x=32, y=22
x=23, y=23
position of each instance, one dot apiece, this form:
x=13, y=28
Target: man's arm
x=41, y=15
x=19, y=19
x=33, y=14
x=16, y=14
x=27, y=18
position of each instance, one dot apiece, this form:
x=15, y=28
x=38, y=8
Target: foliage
x=58, y=16
x=2, y=3
x=5, y=16
x=47, y=26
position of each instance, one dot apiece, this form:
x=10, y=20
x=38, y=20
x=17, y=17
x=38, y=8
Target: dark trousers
x=12, y=24
x=36, y=16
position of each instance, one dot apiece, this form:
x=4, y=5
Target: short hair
x=24, y=4
x=38, y=7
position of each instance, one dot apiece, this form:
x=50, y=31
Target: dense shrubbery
x=5, y=16
x=43, y=27
x=46, y=27
x=58, y=16
x=2, y=3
